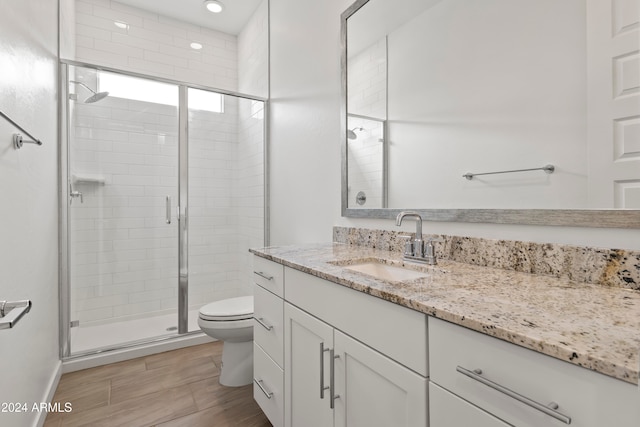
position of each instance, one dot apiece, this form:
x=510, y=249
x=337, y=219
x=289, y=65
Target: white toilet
x=231, y=321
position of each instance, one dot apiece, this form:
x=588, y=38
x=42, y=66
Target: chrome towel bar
x=546, y=168
x=18, y=141
x=12, y=311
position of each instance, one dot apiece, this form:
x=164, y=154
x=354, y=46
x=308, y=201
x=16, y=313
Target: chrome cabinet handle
x=264, y=276
x=264, y=390
x=332, y=384
x=168, y=203
x=264, y=325
x=322, y=387
x=549, y=409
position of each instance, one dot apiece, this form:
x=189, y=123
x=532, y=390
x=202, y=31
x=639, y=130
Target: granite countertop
x=592, y=326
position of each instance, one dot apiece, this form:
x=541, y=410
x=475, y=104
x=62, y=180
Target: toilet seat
x=240, y=308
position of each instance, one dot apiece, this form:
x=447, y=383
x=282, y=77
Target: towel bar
x=546, y=168
x=18, y=141
x=12, y=311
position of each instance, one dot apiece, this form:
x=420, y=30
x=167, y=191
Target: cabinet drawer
x=268, y=331
x=588, y=398
x=269, y=275
x=393, y=330
x=268, y=386
x=446, y=409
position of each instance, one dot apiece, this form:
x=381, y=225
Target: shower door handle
x=168, y=203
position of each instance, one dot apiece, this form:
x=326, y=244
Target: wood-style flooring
x=174, y=389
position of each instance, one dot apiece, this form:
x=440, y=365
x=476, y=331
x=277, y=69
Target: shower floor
x=86, y=338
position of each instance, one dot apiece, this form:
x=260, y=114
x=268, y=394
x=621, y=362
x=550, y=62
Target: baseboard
x=50, y=391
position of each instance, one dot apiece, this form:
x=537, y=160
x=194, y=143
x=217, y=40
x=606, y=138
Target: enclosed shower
x=163, y=189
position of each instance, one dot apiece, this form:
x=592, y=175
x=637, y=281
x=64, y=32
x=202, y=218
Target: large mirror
x=504, y=111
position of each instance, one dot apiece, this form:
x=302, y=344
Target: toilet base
x=237, y=364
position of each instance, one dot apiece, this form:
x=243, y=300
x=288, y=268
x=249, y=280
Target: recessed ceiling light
x=214, y=6
x=196, y=45
x=121, y=24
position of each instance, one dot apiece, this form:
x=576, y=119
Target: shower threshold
x=88, y=338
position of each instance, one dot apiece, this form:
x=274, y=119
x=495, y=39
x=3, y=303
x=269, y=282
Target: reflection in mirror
x=365, y=147
x=497, y=85
x=367, y=89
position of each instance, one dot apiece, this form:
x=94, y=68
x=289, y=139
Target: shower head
x=97, y=96
x=351, y=134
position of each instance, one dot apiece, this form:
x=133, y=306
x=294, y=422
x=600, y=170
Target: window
x=127, y=87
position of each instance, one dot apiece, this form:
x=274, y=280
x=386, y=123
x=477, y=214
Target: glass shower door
x=123, y=193
x=226, y=195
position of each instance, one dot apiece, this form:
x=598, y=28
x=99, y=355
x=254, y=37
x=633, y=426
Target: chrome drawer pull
x=264, y=276
x=264, y=325
x=266, y=393
x=476, y=374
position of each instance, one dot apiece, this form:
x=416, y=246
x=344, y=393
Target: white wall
x=305, y=140
x=29, y=207
x=305, y=119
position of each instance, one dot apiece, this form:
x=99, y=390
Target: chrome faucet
x=416, y=250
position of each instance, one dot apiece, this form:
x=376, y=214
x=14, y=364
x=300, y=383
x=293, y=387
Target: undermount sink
x=386, y=272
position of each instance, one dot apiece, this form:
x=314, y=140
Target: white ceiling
x=232, y=19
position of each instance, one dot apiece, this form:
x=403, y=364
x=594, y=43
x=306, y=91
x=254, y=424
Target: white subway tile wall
x=367, y=97
x=366, y=157
x=368, y=81
x=124, y=256
x=154, y=44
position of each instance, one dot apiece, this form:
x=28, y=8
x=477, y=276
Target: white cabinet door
x=446, y=410
x=306, y=369
x=374, y=390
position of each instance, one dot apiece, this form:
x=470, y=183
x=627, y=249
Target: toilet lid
x=228, y=309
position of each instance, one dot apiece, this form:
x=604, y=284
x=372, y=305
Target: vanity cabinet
x=328, y=355
x=334, y=379
x=519, y=386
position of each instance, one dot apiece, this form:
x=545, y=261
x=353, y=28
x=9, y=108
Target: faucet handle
x=429, y=250
x=408, y=245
